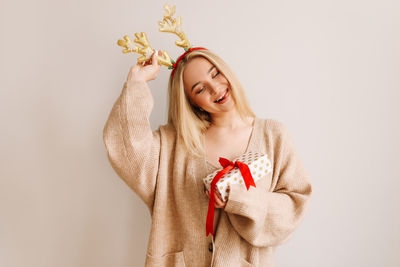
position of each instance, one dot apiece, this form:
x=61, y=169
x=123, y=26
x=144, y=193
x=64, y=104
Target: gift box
x=258, y=164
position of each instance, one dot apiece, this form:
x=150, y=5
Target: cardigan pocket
x=244, y=263
x=167, y=260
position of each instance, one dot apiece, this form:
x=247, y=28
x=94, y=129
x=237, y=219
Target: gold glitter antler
x=169, y=24
x=146, y=51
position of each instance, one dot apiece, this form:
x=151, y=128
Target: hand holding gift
x=218, y=202
x=247, y=169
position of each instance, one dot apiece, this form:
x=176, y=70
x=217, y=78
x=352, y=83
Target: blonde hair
x=190, y=122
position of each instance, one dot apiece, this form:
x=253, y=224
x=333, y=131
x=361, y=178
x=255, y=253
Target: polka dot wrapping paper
x=259, y=166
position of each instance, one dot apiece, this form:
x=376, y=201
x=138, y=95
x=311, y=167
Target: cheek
x=194, y=100
x=223, y=79
x=202, y=101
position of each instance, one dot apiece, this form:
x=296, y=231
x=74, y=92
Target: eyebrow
x=194, y=85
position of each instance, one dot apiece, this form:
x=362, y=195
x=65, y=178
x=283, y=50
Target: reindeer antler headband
x=168, y=24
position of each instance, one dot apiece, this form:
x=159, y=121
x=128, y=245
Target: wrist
x=138, y=79
x=134, y=83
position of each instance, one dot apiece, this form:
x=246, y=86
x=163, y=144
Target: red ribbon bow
x=228, y=166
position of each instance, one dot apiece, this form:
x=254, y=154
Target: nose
x=215, y=88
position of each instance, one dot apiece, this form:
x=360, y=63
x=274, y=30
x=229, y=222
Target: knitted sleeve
x=268, y=218
x=133, y=148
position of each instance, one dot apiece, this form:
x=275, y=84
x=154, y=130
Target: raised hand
x=145, y=71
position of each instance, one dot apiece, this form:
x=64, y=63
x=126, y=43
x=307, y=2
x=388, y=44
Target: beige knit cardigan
x=168, y=179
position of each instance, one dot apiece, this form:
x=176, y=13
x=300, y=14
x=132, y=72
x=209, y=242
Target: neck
x=229, y=120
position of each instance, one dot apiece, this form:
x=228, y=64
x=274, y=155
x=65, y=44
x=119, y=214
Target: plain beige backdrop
x=329, y=70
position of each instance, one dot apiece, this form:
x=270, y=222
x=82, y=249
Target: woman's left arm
x=268, y=218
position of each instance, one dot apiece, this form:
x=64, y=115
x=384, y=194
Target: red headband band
x=182, y=56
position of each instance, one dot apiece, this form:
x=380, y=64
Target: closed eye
x=202, y=88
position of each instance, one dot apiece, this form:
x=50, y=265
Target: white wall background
x=328, y=69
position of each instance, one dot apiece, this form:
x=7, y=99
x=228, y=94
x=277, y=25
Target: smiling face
x=205, y=85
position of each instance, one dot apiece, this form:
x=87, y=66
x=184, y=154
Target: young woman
x=208, y=118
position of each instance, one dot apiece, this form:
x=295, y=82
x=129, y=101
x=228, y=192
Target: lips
x=221, y=97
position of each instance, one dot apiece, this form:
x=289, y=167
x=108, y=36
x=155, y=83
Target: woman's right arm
x=133, y=148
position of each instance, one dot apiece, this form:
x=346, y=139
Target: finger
x=217, y=193
x=220, y=198
x=219, y=206
x=220, y=203
x=154, y=59
x=209, y=195
x=217, y=200
x=154, y=55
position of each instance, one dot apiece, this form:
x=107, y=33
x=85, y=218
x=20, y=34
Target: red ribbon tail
x=228, y=165
x=246, y=174
x=210, y=214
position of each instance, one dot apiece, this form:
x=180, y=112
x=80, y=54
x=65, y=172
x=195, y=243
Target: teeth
x=222, y=96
